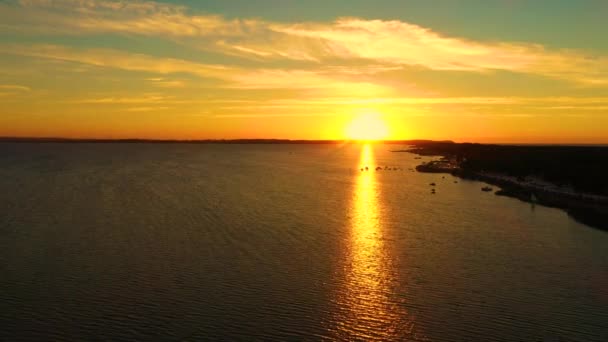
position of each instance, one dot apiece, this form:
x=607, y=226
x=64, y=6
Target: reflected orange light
x=370, y=310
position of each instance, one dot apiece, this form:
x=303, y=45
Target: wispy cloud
x=232, y=76
x=547, y=103
x=541, y=102
x=166, y=83
x=147, y=109
x=402, y=43
x=117, y=59
x=12, y=89
x=272, y=115
x=386, y=42
x=126, y=16
x=127, y=100
x=577, y=108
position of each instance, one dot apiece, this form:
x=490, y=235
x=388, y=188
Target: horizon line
x=273, y=141
x=220, y=140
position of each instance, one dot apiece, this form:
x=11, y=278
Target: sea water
x=282, y=242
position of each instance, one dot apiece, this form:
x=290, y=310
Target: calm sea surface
x=286, y=242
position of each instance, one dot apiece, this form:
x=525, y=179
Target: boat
x=486, y=189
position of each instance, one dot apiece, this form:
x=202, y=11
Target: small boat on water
x=486, y=189
x=432, y=184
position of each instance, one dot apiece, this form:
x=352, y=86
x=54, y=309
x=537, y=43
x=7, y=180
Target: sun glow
x=367, y=126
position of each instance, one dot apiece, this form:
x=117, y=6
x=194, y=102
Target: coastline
x=589, y=209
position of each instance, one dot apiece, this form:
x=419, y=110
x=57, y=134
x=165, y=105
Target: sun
x=367, y=126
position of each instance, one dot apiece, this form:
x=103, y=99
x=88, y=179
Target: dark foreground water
x=285, y=242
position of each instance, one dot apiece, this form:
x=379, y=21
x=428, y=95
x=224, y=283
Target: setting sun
x=367, y=126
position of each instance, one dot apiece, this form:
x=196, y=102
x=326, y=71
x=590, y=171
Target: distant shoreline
x=588, y=208
x=416, y=142
x=202, y=141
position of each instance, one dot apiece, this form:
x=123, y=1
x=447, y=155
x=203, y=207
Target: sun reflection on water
x=369, y=308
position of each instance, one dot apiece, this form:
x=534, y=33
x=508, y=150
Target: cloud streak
x=13, y=89
x=232, y=76
x=116, y=59
x=386, y=42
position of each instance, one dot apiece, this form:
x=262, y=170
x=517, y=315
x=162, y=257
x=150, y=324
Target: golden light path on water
x=370, y=310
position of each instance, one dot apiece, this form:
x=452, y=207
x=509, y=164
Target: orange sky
x=197, y=70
